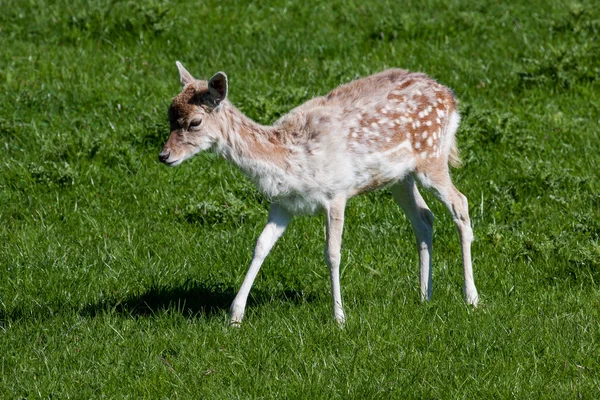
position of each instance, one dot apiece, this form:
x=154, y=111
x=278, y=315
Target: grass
x=116, y=273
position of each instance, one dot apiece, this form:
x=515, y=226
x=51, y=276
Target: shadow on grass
x=189, y=299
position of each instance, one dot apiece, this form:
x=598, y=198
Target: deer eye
x=195, y=123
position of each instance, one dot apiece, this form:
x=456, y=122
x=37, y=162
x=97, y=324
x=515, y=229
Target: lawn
x=116, y=273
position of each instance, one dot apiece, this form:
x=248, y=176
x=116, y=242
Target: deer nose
x=163, y=156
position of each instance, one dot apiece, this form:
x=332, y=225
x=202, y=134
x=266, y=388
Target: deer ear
x=184, y=76
x=217, y=85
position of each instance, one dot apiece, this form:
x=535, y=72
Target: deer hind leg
x=278, y=221
x=409, y=199
x=443, y=188
x=335, y=226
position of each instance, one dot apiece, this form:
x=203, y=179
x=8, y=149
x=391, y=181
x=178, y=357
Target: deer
x=387, y=130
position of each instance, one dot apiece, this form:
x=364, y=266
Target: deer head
x=194, y=117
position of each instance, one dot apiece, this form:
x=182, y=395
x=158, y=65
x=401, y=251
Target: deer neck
x=249, y=145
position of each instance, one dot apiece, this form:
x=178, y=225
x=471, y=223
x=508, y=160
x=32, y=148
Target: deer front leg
x=335, y=226
x=278, y=221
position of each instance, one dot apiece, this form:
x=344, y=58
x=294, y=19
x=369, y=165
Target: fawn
x=384, y=130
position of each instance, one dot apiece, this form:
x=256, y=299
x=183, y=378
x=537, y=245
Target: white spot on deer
x=429, y=142
x=428, y=123
x=424, y=136
x=404, y=145
x=440, y=112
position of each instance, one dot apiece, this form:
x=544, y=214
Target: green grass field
x=116, y=273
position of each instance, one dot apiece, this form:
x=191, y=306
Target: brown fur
x=408, y=110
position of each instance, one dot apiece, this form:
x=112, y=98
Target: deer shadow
x=190, y=298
